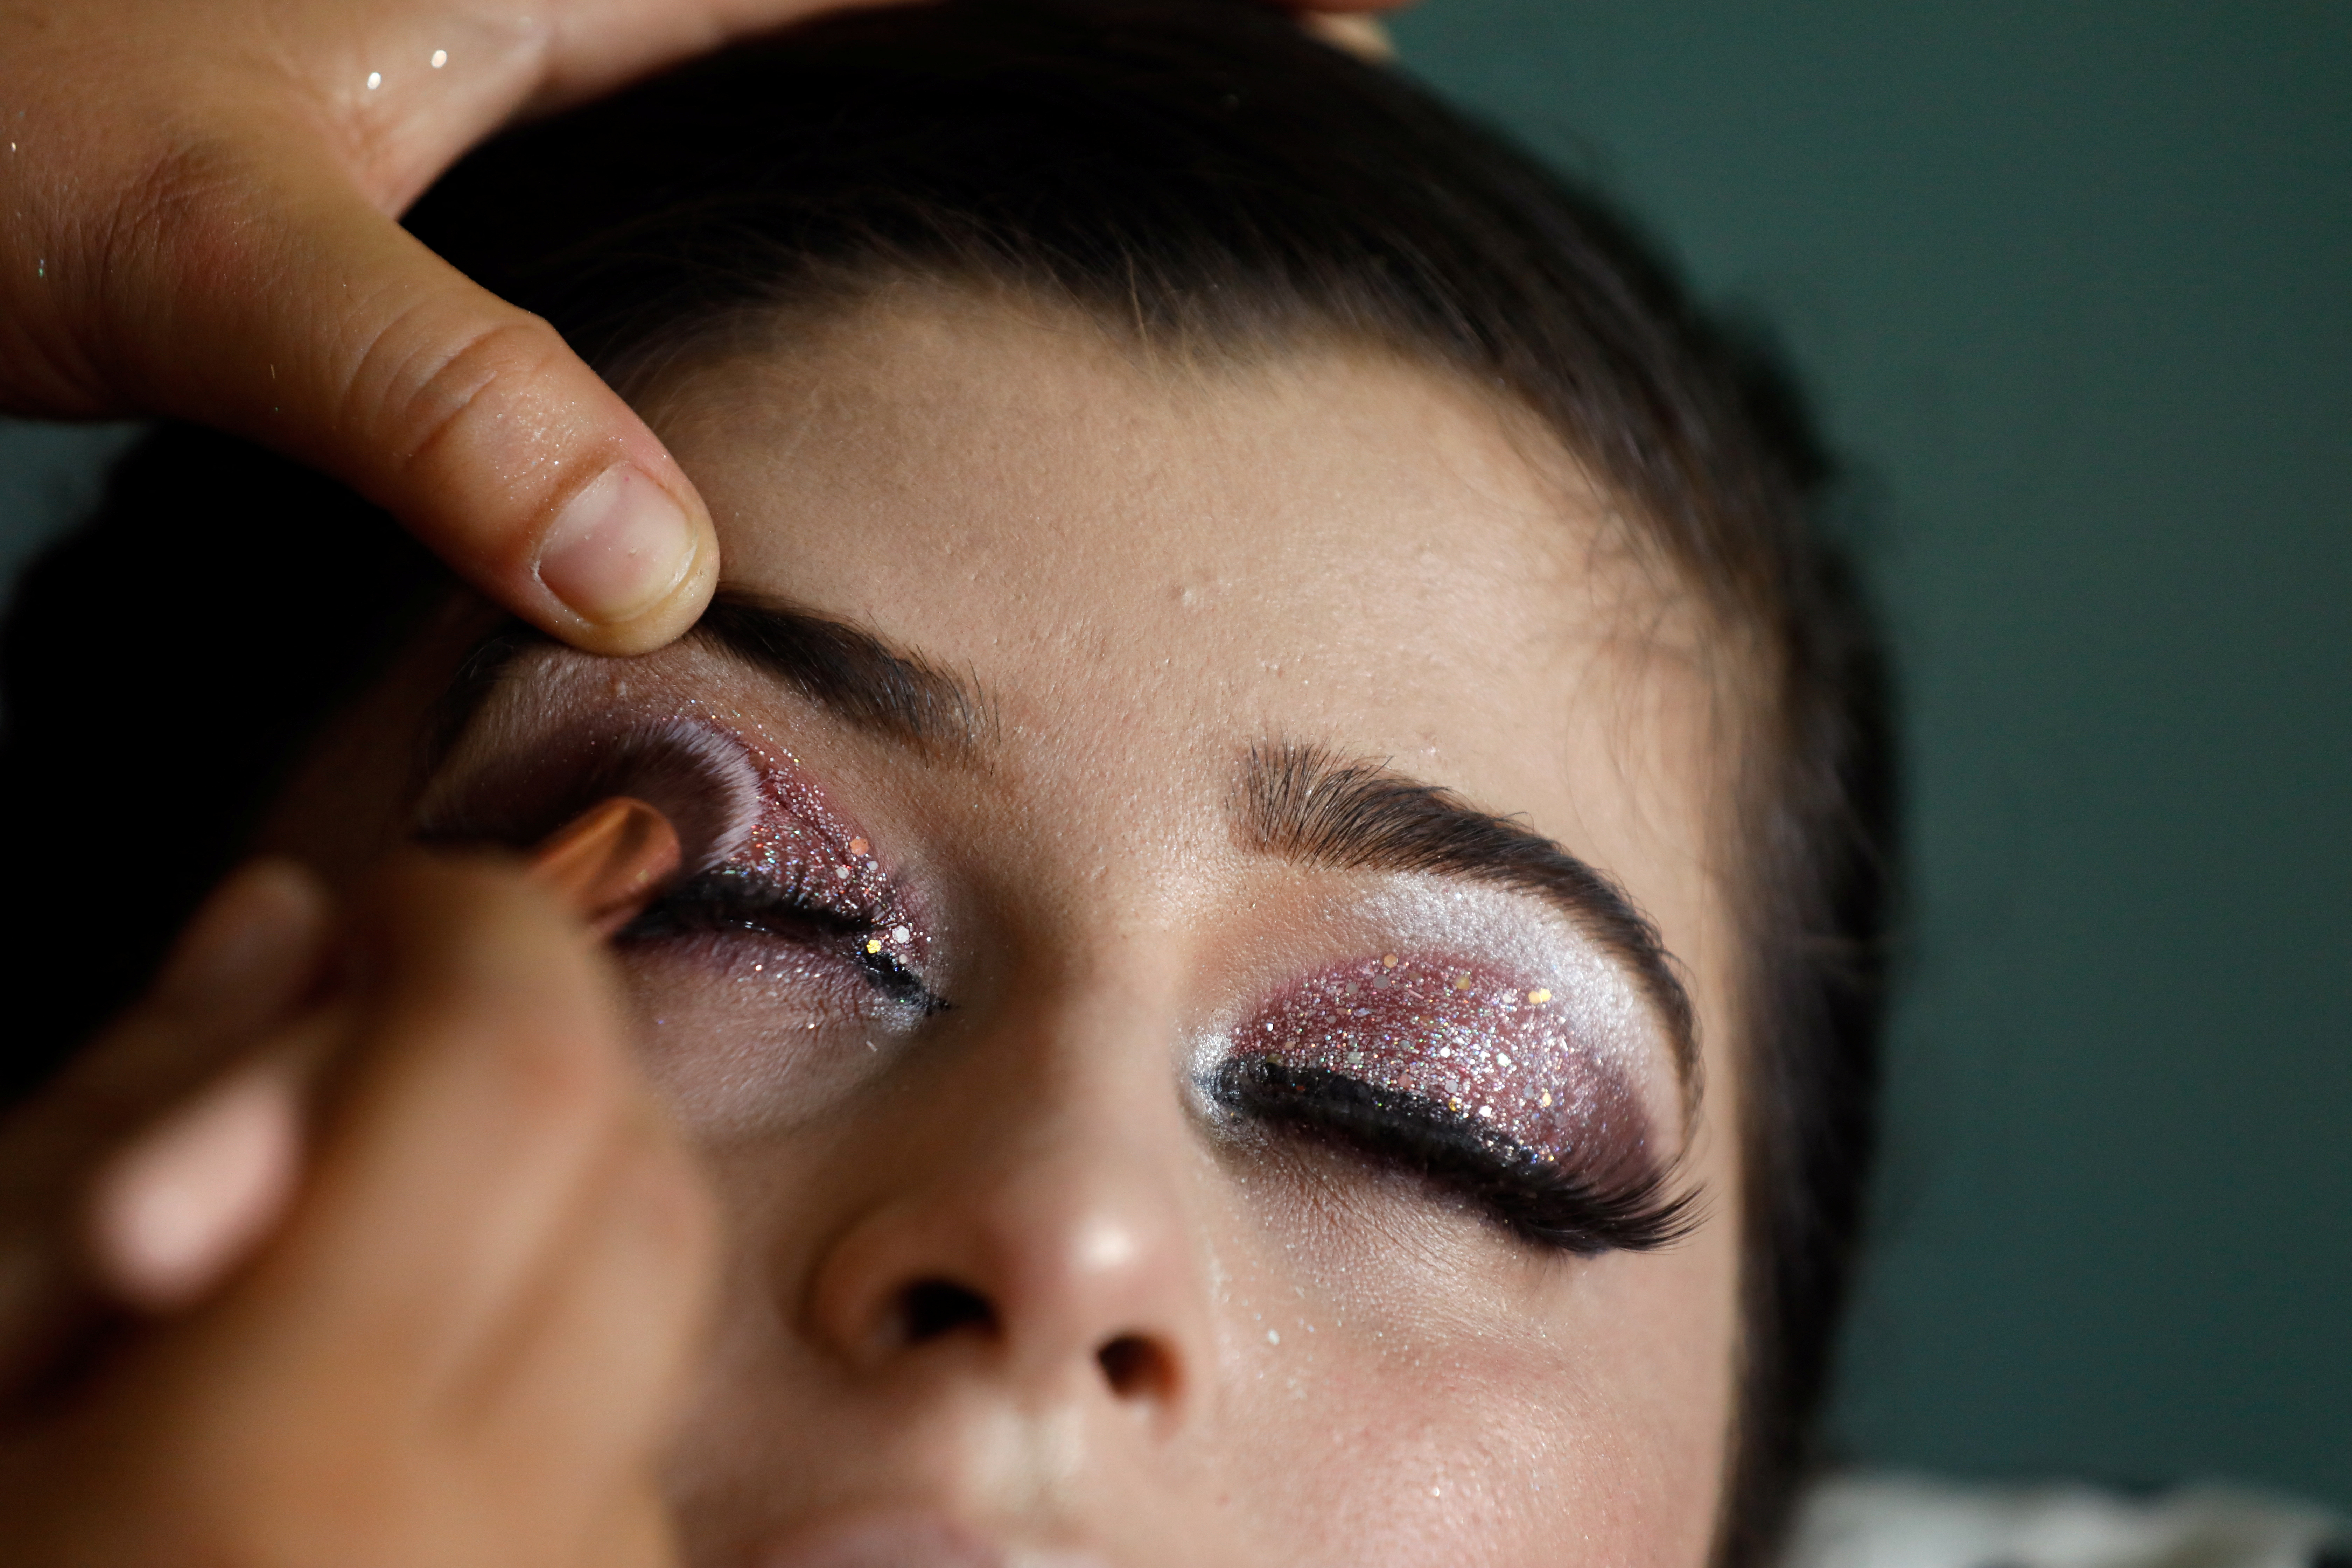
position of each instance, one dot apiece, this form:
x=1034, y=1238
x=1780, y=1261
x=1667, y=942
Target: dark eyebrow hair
x=851, y=673
x=1306, y=804
x=842, y=668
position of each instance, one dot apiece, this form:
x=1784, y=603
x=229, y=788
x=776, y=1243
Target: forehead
x=1333, y=544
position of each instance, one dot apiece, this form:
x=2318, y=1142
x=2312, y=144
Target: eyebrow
x=1308, y=804
x=849, y=671
x=852, y=674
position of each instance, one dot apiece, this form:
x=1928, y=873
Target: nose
x=1057, y=1259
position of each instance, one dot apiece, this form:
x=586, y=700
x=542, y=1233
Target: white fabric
x=1905, y=1522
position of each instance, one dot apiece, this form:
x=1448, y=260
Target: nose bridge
x=1033, y=1218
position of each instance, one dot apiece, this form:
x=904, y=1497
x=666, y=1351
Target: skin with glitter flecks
x=1493, y=1050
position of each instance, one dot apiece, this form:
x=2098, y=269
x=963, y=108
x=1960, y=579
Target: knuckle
x=434, y=364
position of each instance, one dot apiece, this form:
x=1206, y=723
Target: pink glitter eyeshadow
x=799, y=842
x=1458, y=1032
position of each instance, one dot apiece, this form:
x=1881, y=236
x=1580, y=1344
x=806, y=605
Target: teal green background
x=2073, y=284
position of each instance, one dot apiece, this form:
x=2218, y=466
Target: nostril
x=1136, y=1368
x=932, y=1309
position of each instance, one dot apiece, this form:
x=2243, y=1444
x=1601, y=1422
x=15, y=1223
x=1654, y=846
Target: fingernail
x=1366, y=38
x=257, y=931
x=183, y=1203
x=617, y=548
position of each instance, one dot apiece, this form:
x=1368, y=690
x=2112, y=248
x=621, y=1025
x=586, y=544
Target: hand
x=198, y=202
x=197, y=219
x=463, y=1343
x=148, y=1168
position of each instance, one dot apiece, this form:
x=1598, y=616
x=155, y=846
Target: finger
x=171, y=1214
x=595, y=45
x=636, y=1532
x=486, y=1077
x=180, y=1205
x=248, y=957
x=588, y=1371
x=297, y=314
x=1360, y=32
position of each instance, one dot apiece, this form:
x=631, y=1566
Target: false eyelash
x=727, y=899
x=1540, y=1202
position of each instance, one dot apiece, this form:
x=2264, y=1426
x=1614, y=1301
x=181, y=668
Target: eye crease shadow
x=1488, y=1047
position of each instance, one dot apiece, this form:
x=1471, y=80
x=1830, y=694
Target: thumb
x=297, y=314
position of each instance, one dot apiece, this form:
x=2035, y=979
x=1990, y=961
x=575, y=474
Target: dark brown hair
x=1192, y=172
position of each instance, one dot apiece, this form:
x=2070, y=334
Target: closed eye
x=726, y=901
x=1554, y=1204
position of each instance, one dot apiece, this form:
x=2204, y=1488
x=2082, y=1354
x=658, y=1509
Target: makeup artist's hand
x=165, y=1152
x=198, y=202
x=463, y=1343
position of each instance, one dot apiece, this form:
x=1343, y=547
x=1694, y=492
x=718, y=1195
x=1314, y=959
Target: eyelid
x=730, y=899
x=564, y=724
x=1495, y=1045
x=1472, y=1071
x=1562, y=1207
x=1519, y=939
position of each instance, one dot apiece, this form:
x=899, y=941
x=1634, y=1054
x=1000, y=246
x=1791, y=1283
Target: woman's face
x=1156, y=1127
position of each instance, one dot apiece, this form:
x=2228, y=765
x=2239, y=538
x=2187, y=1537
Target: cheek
x=1433, y=1385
